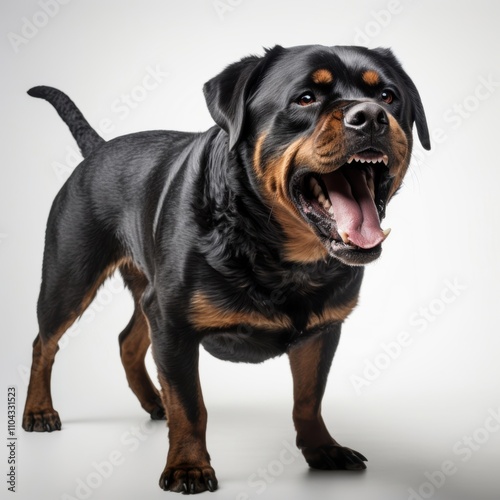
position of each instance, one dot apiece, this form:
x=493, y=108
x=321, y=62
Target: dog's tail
x=86, y=137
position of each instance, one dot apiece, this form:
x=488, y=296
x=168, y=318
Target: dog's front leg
x=176, y=355
x=310, y=363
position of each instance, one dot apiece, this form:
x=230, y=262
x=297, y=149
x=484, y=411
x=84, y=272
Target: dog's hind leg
x=78, y=258
x=134, y=343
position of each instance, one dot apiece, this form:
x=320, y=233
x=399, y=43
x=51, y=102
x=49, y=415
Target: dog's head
x=326, y=133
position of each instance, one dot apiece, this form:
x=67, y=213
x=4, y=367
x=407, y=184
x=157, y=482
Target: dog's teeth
x=386, y=232
x=345, y=237
x=312, y=182
x=385, y=159
x=317, y=190
x=327, y=205
x=321, y=198
x=350, y=160
x=330, y=210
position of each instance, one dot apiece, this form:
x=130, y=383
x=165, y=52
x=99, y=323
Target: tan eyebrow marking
x=371, y=77
x=322, y=76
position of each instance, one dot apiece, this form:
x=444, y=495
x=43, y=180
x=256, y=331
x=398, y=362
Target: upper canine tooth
x=317, y=190
x=321, y=198
x=350, y=159
x=385, y=159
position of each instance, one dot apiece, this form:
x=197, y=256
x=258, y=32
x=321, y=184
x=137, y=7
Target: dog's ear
x=227, y=94
x=416, y=102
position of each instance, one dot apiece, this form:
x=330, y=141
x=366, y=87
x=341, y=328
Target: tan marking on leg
x=187, y=453
x=305, y=360
x=39, y=398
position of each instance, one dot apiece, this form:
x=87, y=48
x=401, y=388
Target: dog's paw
x=42, y=421
x=334, y=457
x=188, y=480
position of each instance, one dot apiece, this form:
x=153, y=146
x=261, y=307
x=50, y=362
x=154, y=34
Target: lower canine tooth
x=345, y=237
x=386, y=232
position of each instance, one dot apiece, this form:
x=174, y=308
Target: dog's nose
x=368, y=118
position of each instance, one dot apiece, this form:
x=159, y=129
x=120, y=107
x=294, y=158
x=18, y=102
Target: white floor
x=254, y=456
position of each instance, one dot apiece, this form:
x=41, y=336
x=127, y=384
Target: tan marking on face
x=322, y=76
x=206, y=314
x=371, y=77
x=301, y=242
x=319, y=152
x=332, y=314
x=400, y=154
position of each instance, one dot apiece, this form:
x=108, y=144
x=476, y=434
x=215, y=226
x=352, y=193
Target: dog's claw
x=334, y=457
x=166, y=482
x=210, y=485
x=360, y=455
x=158, y=412
x=188, y=479
x=43, y=421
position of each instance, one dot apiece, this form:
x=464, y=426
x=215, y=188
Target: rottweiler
x=249, y=239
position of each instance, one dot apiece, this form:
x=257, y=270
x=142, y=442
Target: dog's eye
x=387, y=96
x=306, y=98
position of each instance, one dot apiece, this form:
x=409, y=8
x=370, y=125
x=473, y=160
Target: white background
x=412, y=415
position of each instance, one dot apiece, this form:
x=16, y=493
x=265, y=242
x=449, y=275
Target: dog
x=249, y=239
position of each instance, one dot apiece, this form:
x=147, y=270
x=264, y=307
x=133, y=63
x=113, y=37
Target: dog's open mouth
x=346, y=206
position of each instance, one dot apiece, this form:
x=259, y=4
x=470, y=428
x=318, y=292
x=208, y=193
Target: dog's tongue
x=353, y=208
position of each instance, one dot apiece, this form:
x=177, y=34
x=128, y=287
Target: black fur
x=188, y=215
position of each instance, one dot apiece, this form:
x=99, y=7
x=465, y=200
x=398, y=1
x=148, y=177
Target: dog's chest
x=295, y=300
